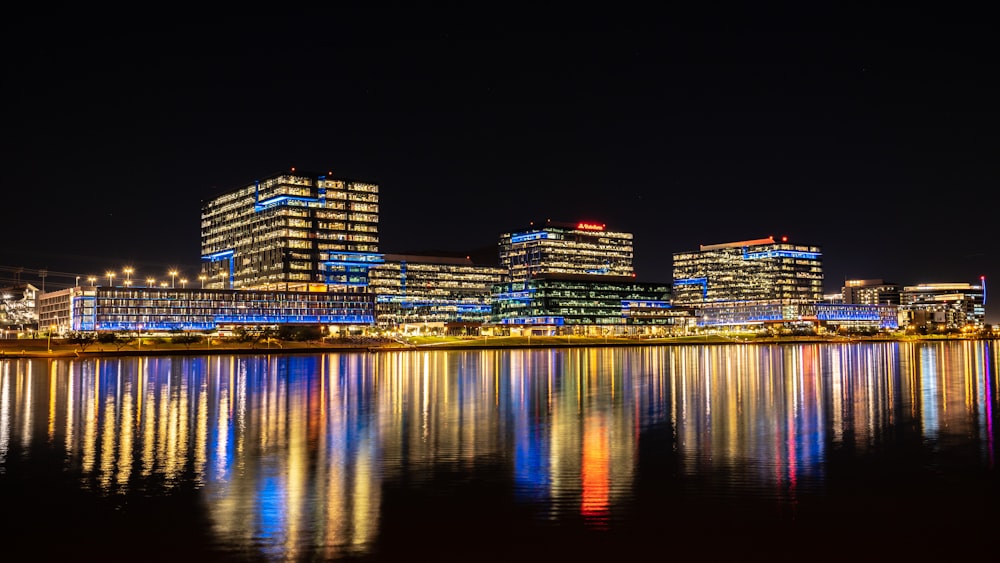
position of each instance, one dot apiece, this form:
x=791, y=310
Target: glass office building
x=158, y=309
x=566, y=248
x=749, y=271
x=944, y=305
x=567, y=300
x=577, y=276
x=871, y=292
x=437, y=290
x=289, y=231
x=753, y=315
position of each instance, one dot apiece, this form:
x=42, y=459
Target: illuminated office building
x=566, y=248
x=558, y=301
x=437, y=291
x=164, y=309
x=750, y=271
x=871, y=292
x=750, y=315
x=574, y=275
x=291, y=231
x=944, y=305
x=18, y=311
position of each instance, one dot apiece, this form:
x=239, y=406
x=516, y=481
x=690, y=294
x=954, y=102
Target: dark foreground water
x=813, y=452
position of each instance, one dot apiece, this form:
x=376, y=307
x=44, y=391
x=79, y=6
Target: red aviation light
x=784, y=239
x=590, y=226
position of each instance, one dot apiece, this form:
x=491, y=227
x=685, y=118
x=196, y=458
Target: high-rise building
x=291, y=231
x=566, y=248
x=578, y=276
x=760, y=271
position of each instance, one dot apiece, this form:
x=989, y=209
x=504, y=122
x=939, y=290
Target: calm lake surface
x=762, y=452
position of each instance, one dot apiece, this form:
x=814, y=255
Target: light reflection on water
x=307, y=456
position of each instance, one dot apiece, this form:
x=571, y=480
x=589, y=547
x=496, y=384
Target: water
x=771, y=452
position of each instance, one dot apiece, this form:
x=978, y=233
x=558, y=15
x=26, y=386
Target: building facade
x=944, y=306
x=413, y=292
x=755, y=315
x=579, y=248
x=871, y=292
x=564, y=301
x=165, y=309
x=290, y=231
x=577, y=277
x=18, y=310
x=761, y=271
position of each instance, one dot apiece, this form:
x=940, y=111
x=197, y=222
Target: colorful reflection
x=293, y=453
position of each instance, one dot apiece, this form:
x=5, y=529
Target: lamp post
x=111, y=276
x=128, y=274
x=184, y=283
x=202, y=278
x=92, y=280
x=173, y=274
x=49, y=345
x=150, y=282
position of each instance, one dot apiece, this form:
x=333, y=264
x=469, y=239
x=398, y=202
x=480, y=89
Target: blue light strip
x=695, y=281
x=647, y=304
x=558, y=321
x=281, y=200
x=292, y=319
x=216, y=257
x=515, y=295
x=780, y=254
x=515, y=239
x=371, y=258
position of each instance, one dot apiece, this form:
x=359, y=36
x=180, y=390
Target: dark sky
x=872, y=138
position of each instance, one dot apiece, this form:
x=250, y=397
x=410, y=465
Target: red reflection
x=594, y=471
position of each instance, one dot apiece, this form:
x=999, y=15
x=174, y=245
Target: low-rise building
x=944, y=306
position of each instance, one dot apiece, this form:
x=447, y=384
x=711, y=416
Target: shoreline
x=33, y=350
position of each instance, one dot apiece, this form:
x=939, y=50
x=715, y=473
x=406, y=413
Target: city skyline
x=874, y=145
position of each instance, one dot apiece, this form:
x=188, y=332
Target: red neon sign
x=590, y=227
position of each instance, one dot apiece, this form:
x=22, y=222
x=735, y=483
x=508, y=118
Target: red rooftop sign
x=590, y=227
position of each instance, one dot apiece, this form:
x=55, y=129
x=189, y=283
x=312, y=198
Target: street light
x=51, y=328
x=202, y=278
x=150, y=282
x=111, y=276
x=184, y=283
x=173, y=274
x=128, y=274
x=127, y=283
x=92, y=280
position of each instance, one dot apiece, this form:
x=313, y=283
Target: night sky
x=872, y=138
